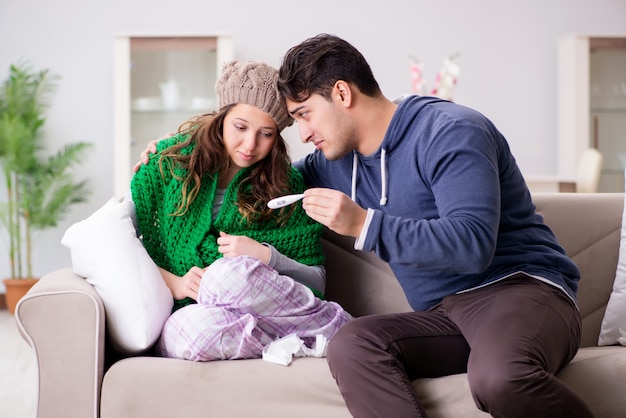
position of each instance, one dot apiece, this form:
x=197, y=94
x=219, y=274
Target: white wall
x=508, y=61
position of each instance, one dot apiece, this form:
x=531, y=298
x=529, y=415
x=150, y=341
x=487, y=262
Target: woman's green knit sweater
x=178, y=243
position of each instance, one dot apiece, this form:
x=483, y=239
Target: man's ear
x=342, y=93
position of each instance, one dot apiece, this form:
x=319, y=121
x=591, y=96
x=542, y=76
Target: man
x=433, y=189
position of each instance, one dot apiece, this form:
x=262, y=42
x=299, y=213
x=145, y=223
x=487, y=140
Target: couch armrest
x=62, y=318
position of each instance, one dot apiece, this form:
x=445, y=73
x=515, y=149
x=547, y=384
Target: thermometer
x=279, y=202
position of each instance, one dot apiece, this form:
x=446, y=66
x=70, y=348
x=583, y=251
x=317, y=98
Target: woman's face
x=249, y=134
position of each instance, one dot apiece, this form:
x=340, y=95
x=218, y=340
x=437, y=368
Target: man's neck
x=375, y=116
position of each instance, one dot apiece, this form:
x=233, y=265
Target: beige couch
x=63, y=319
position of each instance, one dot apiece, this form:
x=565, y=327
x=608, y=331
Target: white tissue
x=282, y=350
x=622, y=339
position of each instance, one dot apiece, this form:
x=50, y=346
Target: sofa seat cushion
x=148, y=387
x=151, y=387
x=592, y=375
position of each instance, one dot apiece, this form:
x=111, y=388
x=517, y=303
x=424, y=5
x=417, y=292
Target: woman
x=201, y=202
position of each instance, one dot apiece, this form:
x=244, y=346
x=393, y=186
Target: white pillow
x=615, y=315
x=106, y=251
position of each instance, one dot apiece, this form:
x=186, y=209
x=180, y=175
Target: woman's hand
x=236, y=245
x=185, y=286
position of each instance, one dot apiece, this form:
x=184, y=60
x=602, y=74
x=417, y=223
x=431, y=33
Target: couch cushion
x=144, y=387
x=154, y=387
x=106, y=251
x=360, y=281
x=591, y=239
x=615, y=315
x=593, y=375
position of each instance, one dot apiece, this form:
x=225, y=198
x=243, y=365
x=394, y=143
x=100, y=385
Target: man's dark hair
x=315, y=65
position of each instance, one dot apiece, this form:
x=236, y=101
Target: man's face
x=324, y=124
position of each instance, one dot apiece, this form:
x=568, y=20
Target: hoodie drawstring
x=383, y=176
x=355, y=161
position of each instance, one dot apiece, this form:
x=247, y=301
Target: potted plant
x=39, y=188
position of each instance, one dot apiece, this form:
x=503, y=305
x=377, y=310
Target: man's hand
x=335, y=210
x=236, y=245
x=151, y=148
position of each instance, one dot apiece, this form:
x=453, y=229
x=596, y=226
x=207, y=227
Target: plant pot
x=15, y=290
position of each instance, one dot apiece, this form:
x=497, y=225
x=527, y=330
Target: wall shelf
x=592, y=105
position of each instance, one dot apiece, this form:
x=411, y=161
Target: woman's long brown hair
x=267, y=179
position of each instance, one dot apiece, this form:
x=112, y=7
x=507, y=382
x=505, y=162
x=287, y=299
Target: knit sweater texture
x=178, y=243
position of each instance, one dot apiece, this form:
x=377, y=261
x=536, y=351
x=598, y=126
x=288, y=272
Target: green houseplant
x=39, y=188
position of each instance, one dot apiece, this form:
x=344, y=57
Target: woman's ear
x=342, y=93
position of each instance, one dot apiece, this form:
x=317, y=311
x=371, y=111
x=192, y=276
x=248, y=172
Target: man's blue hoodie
x=448, y=207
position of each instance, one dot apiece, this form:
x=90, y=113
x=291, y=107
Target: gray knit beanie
x=253, y=83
